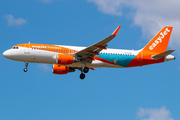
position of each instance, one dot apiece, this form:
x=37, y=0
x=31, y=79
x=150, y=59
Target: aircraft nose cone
x=6, y=54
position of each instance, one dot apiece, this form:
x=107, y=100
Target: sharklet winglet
x=116, y=31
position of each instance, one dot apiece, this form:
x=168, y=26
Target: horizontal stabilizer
x=164, y=54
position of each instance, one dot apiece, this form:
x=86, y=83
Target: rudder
x=160, y=42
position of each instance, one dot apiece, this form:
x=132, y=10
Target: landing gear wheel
x=25, y=69
x=82, y=76
x=86, y=69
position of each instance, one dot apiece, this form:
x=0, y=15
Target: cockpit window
x=15, y=47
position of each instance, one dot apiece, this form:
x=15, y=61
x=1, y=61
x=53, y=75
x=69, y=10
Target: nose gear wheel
x=25, y=69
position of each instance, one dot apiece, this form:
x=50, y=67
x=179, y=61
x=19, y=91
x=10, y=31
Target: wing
x=89, y=52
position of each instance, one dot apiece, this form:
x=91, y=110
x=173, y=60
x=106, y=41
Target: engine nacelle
x=63, y=59
x=59, y=69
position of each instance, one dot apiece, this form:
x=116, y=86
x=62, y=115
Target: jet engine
x=59, y=69
x=64, y=59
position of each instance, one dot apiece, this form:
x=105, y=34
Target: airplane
x=65, y=59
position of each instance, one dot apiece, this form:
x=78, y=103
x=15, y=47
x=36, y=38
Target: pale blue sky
x=105, y=94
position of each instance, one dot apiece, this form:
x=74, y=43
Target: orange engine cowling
x=63, y=59
x=59, y=69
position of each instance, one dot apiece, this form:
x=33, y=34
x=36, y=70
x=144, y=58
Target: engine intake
x=59, y=69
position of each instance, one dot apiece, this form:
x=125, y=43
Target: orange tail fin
x=160, y=42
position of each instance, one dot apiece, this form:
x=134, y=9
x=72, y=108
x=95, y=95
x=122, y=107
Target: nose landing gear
x=25, y=69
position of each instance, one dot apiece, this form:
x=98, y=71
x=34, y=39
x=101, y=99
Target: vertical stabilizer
x=160, y=42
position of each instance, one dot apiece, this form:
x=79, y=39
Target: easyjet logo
x=159, y=39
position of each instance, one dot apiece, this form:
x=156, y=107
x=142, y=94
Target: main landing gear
x=82, y=76
x=85, y=70
x=25, y=69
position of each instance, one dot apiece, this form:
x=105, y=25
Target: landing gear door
x=27, y=49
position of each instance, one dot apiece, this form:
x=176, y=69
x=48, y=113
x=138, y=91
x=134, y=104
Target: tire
x=25, y=69
x=82, y=76
x=86, y=69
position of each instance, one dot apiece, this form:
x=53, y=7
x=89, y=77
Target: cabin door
x=27, y=49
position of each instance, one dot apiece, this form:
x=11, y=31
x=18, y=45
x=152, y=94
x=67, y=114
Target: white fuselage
x=41, y=56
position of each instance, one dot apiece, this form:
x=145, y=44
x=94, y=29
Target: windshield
x=15, y=47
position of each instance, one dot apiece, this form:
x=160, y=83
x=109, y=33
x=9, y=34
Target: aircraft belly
x=98, y=63
x=94, y=64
